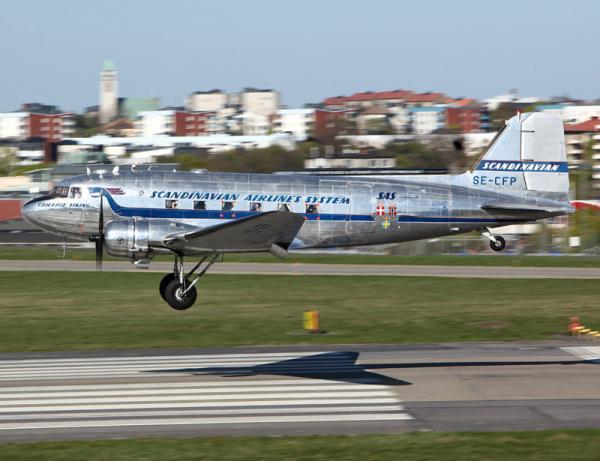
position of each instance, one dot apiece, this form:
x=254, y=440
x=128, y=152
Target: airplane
x=522, y=176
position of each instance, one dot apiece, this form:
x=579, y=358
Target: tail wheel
x=176, y=299
x=499, y=244
x=163, y=284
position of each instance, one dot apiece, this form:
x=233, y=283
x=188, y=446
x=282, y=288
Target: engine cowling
x=139, y=239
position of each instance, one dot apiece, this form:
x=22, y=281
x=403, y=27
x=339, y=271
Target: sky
x=308, y=50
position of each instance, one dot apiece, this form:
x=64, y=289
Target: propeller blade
x=100, y=241
x=99, y=252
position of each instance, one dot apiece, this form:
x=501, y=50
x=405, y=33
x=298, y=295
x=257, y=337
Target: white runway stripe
x=15, y=370
x=153, y=358
x=255, y=403
x=241, y=398
x=249, y=388
x=196, y=421
x=584, y=352
x=203, y=412
x=282, y=383
x=197, y=398
x=175, y=363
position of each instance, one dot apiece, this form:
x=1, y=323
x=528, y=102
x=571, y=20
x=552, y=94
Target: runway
x=321, y=269
x=299, y=390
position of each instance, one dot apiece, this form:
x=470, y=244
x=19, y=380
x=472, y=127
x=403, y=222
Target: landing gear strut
x=497, y=243
x=176, y=288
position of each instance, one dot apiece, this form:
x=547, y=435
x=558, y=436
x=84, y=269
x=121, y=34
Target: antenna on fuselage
x=115, y=170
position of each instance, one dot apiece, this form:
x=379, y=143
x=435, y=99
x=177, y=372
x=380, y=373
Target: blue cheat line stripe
x=175, y=213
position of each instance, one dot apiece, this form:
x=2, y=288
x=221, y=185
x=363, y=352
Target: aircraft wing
x=271, y=231
x=523, y=208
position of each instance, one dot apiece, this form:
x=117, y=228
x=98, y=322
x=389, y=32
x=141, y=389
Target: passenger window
x=312, y=209
x=75, y=192
x=283, y=207
x=171, y=204
x=255, y=206
x=226, y=206
x=199, y=205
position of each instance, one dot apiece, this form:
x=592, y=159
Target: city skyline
x=307, y=52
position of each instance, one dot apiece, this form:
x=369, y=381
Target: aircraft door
x=330, y=230
x=361, y=209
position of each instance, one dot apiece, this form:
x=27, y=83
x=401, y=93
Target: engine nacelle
x=139, y=239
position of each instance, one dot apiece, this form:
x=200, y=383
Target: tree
x=86, y=126
x=265, y=160
x=503, y=112
x=8, y=159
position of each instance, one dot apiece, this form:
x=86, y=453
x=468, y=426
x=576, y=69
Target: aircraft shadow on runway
x=342, y=366
x=332, y=366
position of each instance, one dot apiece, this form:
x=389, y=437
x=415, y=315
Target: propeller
x=100, y=239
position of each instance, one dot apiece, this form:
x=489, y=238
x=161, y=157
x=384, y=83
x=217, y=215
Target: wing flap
x=253, y=233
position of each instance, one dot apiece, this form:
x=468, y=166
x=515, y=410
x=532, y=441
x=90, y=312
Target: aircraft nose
x=31, y=210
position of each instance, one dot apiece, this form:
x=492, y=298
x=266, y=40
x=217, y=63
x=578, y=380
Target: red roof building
x=367, y=97
x=591, y=125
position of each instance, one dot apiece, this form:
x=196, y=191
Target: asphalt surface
x=320, y=269
x=299, y=390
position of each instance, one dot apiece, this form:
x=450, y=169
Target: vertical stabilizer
x=528, y=154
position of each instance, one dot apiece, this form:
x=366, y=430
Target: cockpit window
x=75, y=192
x=60, y=191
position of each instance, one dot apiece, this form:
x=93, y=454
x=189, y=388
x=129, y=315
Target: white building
x=299, y=122
x=14, y=125
x=155, y=122
x=108, y=106
x=426, y=120
x=251, y=124
x=207, y=101
x=213, y=143
x=474, y=143
x=354, y=161
x=580, y=113
x=261, y=102
x=512, y=97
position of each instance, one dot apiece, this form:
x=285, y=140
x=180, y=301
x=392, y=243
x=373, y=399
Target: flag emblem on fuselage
x=380, y=211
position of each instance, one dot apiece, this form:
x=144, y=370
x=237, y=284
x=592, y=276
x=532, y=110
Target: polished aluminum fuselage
x=360, y=210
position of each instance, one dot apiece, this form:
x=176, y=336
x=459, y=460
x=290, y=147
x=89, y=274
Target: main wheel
x=163, y=284
x=176, y=299
x=499, y=244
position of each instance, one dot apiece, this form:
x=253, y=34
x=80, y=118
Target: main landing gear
x=497, y=243
x=176, y=288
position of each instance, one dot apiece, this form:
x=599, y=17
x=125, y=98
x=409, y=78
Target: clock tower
x=108, y=107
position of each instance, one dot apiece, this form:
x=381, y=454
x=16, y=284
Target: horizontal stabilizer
x=253, y=233
x=525, y=208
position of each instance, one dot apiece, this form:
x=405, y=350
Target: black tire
x=163, y=284
x=499, y=244
x=175, y=300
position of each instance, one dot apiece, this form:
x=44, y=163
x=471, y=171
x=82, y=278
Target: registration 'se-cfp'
x=521, y=176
